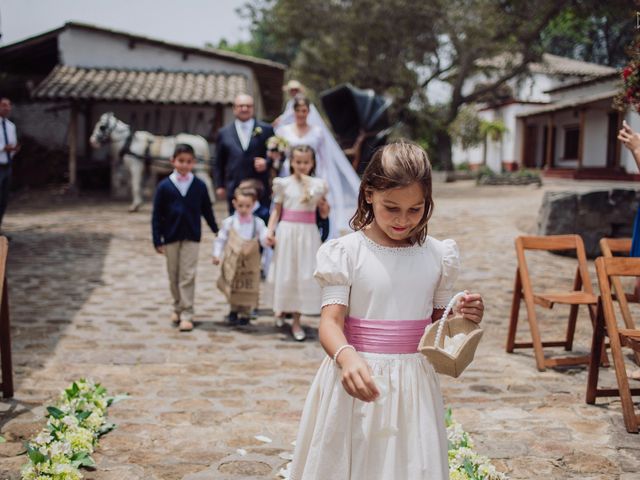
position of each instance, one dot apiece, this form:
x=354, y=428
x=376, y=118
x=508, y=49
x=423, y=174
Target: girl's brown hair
x=396, y=165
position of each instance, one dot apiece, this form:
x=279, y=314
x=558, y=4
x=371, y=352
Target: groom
x=241, y=152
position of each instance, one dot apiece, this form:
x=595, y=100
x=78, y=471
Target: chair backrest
x=619, y=266
x=609, y=246
x=608, y=268
x=554, y=243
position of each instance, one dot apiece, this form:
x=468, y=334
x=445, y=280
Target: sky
x=191, y=22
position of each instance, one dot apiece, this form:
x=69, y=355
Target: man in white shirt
x=8, y=148
x=241, y=152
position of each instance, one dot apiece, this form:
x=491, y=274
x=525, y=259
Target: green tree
x=593, y=31
x=399, y=47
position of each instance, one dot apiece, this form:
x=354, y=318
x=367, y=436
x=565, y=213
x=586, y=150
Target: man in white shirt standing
x=241, y=152
x=8, y=148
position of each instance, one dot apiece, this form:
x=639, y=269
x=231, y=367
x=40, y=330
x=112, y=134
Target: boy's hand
x=160, y=249
x=260, y=164
x=471, y=307
x=215, y=260
x=356, y=376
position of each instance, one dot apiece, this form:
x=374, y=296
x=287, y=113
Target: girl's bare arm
x=356, y=373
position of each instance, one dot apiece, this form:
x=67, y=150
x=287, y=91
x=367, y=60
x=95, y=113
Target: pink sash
x=298, y=216
x=385, y=336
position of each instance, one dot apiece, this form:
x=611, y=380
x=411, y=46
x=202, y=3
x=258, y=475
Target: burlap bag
x=240, y=271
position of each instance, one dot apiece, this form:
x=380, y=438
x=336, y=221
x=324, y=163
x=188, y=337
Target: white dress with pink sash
x=297, y=242
x=390, y=294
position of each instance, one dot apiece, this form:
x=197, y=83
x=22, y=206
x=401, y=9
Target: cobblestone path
x=89, y=297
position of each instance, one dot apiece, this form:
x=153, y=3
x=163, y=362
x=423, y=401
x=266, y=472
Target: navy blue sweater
x=176, y=217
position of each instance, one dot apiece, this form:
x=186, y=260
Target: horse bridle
x=105, y=129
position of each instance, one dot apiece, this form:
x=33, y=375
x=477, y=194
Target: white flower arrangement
x=74, y=424
x=277, y=143
x=464, y=462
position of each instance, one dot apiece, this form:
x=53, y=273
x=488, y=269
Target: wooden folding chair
x=5, y=328
x=582, y=294
x=606, y=324
x=609, y=246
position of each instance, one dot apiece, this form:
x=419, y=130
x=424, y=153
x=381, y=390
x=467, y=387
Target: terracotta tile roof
x=550, y=64
x=569, y=103
x=139, y=86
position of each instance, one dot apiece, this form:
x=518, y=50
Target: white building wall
x=594, y=147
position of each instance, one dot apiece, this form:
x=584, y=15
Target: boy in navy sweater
x=179, y=202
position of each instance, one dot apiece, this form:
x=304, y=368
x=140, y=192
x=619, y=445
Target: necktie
x=183, y=178
x=6, y=138
x=243, y=219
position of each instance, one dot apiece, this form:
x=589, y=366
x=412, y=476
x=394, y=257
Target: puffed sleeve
x=333, y=273
x=278, y=190
x=450, y=269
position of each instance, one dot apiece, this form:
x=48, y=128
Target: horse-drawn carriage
x=359, y=119
x=142, y=151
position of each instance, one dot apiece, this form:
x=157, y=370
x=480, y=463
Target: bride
x=301, y=123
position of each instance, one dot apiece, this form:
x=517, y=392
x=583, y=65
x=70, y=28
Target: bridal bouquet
x=277, y=144
x=630, y=93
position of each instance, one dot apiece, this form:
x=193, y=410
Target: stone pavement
x=89, y=297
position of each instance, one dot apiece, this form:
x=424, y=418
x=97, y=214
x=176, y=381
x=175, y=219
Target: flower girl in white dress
x=295, y=200
x=375, y=410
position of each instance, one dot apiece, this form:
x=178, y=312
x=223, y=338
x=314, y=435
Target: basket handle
x=447, y=310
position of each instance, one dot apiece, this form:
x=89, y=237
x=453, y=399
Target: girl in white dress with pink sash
x=297, y=239
x=305, y=127
x=375, y=410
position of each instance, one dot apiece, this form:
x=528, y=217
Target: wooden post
x=581, y=138
x=5, y=326
x=88, y=149
x=523, y=140
x=73, y=148
x=548, y=163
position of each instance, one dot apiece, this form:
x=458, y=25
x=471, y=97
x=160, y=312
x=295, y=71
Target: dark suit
x=233, y=164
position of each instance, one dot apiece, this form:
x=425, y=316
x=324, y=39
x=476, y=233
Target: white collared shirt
x=244, y=129
x=181, y=185
x=245, y=230
x=12, y=137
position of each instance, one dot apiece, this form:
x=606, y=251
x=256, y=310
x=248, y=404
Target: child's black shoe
x=232, y=319
x=244, y=320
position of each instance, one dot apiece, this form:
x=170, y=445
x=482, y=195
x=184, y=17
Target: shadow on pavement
x=50, y=276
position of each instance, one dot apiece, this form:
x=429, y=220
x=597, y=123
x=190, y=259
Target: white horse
x=138, y=147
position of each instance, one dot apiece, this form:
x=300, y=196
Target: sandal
x=185, y=326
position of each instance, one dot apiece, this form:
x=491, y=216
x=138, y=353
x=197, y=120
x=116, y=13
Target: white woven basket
x=432, y=342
